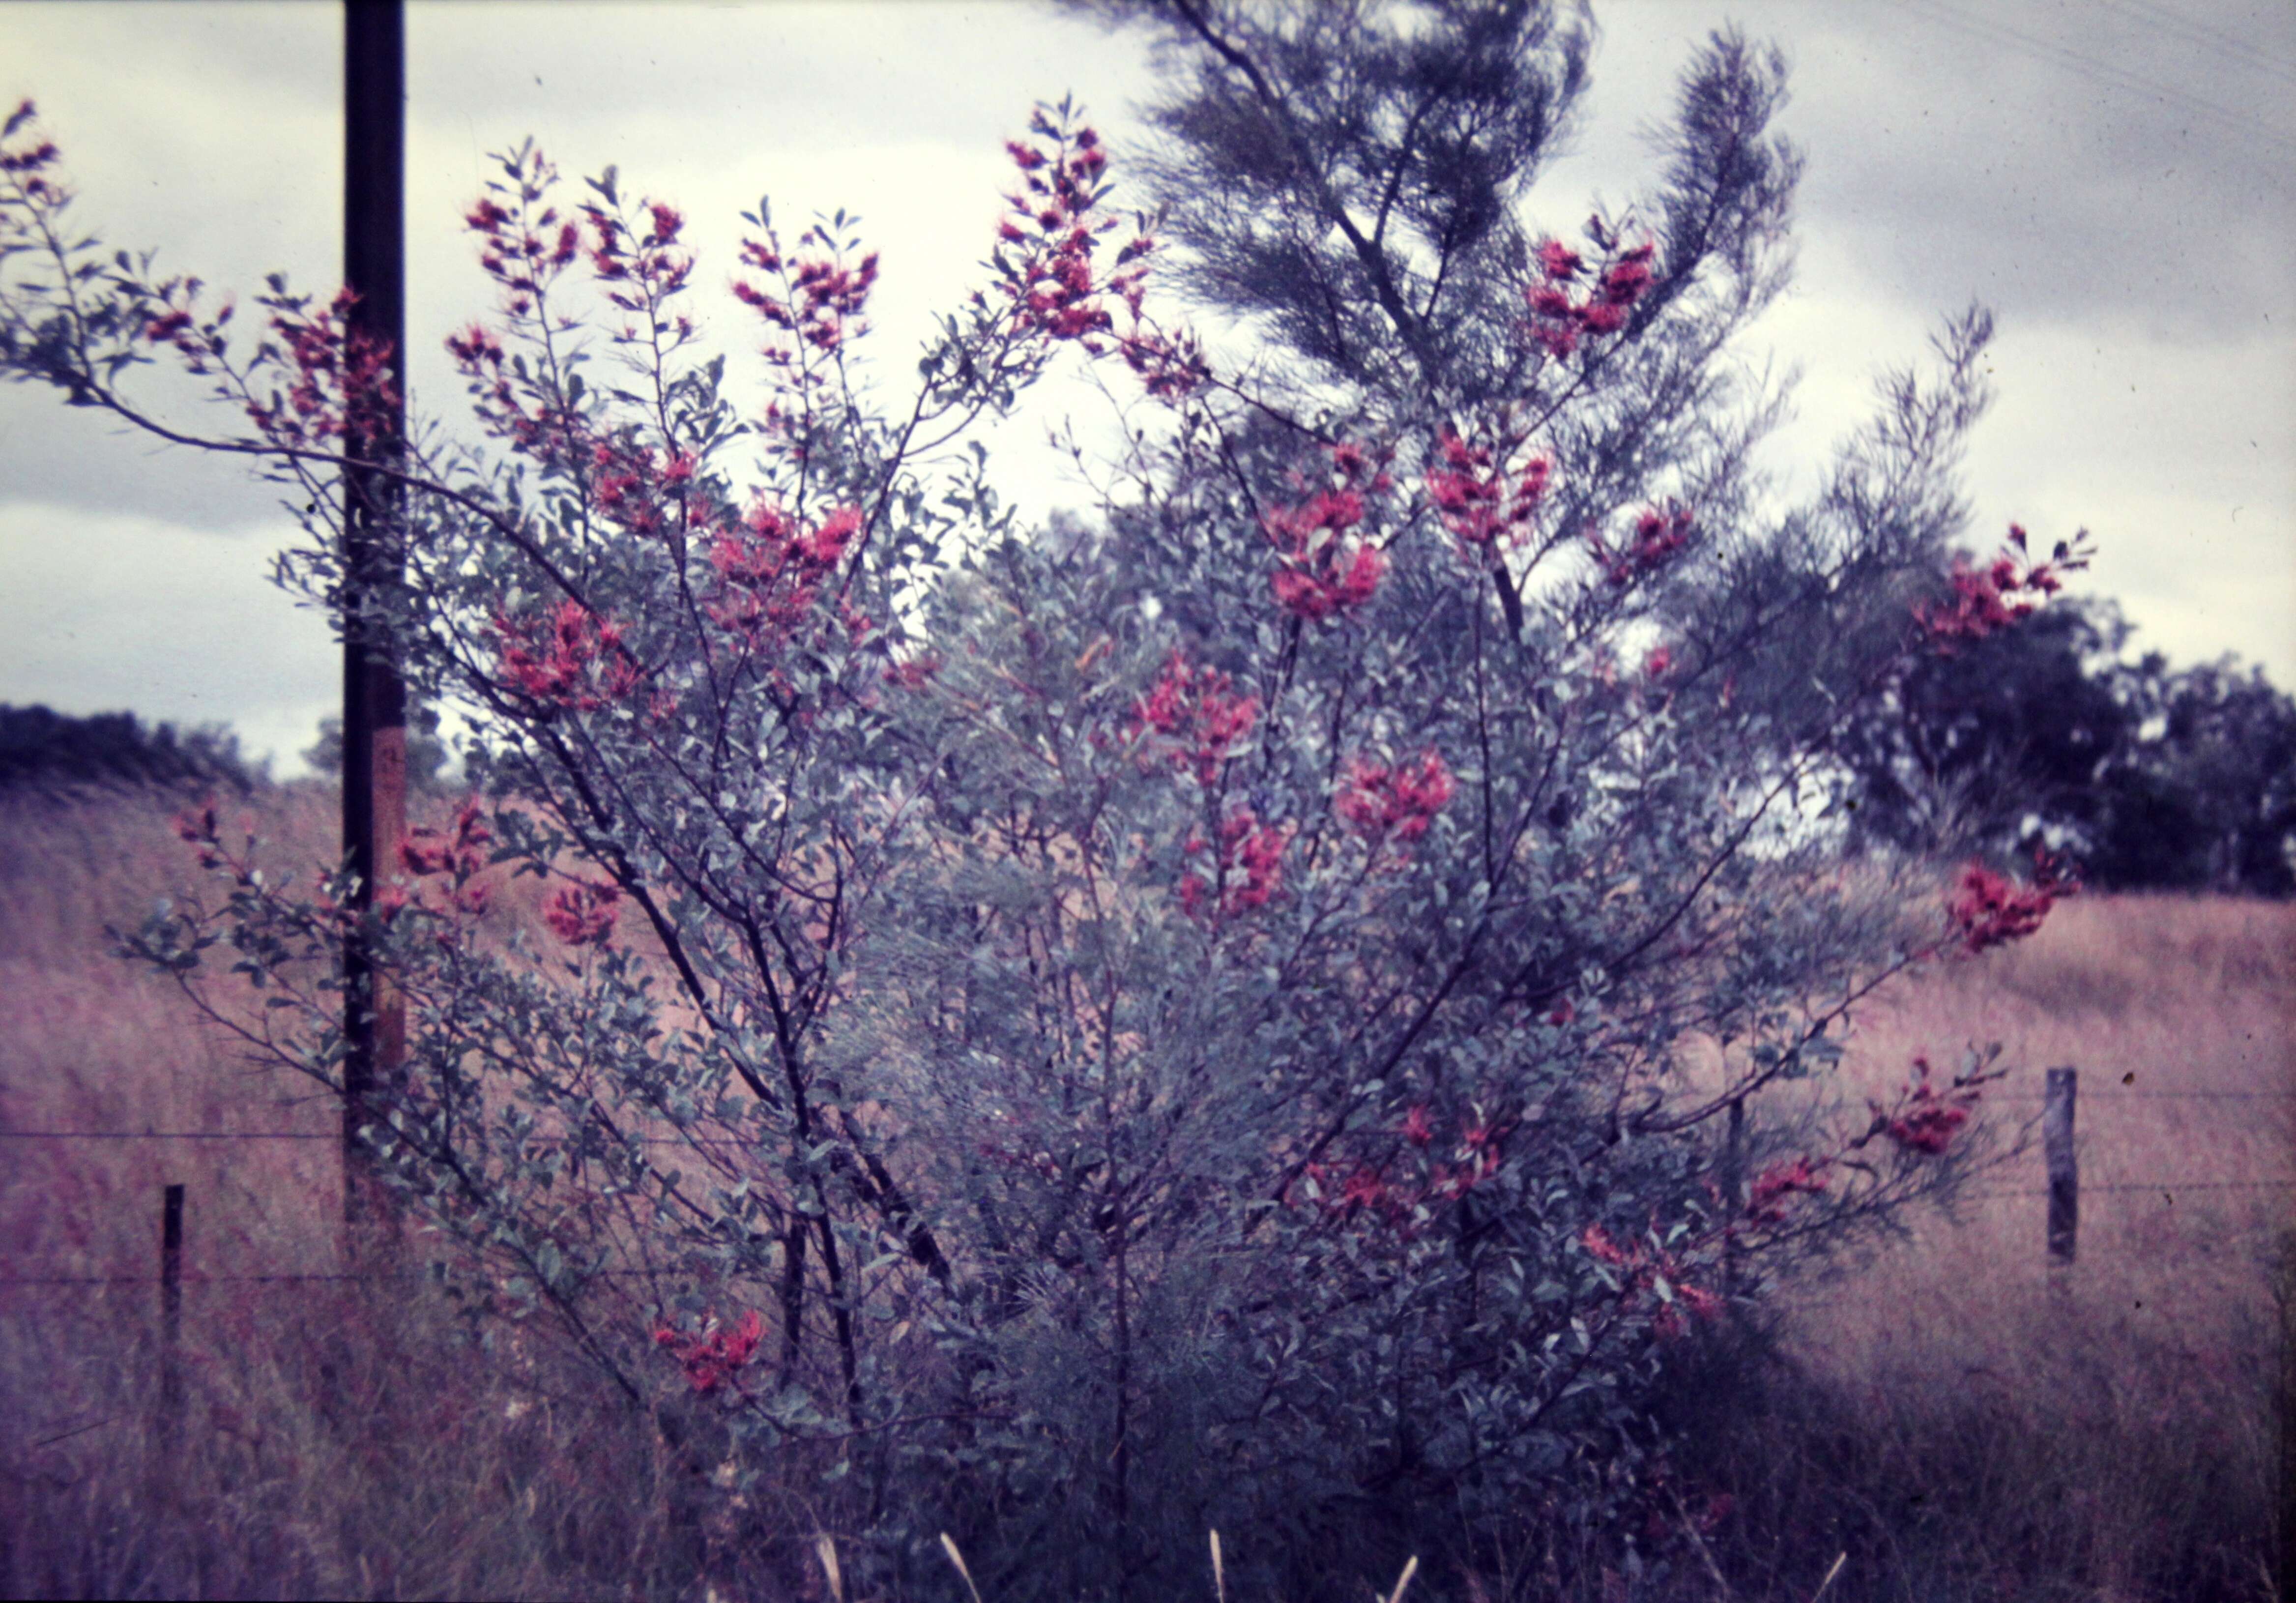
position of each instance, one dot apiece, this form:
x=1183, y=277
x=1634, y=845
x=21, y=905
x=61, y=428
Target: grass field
x=1967, y=1421
x=1956, y=1418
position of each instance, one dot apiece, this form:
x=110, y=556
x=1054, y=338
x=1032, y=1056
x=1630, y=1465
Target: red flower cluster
x=1559, y=319
x=1323, y=570
x=1558, y=262
x=1779, y=1184
x=1480, y=1142
x=1639, y=1271
x=770, y=569
x=1599, y=1245
x=477, y=352
x=195, y=828
x=1193, y=707
x=179, y=324
x=640, y=488
x=1380, y=801
x=647, y=259
x=1342, y=1190
x=550, y=430
x=340, y=387
x=455, y=852
x=2008, y=589
x=525, y=245
x=1924, y=1120
x=1169, y=365
x=1471, y=494
x=1250, y=869
x=174, y=326
x=821, y=301
x=1991, y=909
x=583, y=913
x=203, y=829
x=522, y=250
x=912, y=673
x=1364, y=1187
x=1660, y=533
x=713, y=1359
x=1051, y=223
x=33, y=157
x=571, y=660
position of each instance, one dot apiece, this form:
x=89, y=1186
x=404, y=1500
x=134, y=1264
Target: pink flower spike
x=1558, y=260
x=583, y=913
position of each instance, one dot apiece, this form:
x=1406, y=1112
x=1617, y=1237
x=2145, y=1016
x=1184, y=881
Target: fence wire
x=2167, y=1189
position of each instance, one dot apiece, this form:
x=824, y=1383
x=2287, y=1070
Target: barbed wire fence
x=2058, y=1153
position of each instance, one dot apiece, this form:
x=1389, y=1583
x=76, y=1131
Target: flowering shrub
x=1003, y=954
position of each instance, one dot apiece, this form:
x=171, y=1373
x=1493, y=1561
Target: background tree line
x=2149, y=776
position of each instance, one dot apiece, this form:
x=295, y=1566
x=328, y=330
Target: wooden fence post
x=2064, y=1167
x=171, y=1310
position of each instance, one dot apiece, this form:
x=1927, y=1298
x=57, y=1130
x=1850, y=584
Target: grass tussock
x=1948, y=1417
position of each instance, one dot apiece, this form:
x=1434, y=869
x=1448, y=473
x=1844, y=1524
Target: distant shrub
x=41, y=748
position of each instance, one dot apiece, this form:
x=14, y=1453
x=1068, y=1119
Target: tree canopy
x=2150, y=777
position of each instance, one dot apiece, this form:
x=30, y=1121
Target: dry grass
x=2180, y=1016
x=1960, y=1422
x=337, y=1438
x=1970, y=1423
x=89, y=1044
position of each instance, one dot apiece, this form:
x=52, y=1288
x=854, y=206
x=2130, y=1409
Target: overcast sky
x=2111, y=177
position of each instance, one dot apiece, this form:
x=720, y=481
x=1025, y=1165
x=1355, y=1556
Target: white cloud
x=105, y=611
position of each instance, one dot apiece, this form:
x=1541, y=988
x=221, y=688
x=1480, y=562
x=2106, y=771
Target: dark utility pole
x=374, y=698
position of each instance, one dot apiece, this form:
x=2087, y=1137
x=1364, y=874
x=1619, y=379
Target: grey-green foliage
x=1188, y=1326
x=1219, y=1012
x=1628, y=873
